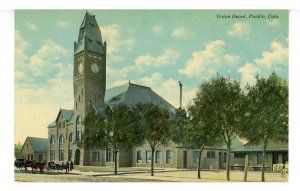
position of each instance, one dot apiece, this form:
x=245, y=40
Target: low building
x=276, y=153
x=35, y=149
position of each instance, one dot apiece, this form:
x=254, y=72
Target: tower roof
x=89, y=37
x=132, y=94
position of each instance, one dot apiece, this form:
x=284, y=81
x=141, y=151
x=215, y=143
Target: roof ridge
x=37, y=137
x=67, y=109
x=140, y=85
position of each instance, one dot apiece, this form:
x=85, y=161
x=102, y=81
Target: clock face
x=95, y=68
x=80, y=68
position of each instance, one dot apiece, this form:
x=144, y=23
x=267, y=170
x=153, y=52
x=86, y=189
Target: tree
x=18, y=148
x=116, y=129
x=201, y=132
x=222, y=102
x=266, y=116
x=157, y=125
x=180, y=122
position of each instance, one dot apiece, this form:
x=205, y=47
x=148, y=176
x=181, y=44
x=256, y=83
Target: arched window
x=61, y=139
x=71, y=138
x=52, y=140
x=78, y=120
x=70, y=150
x=52, y=148
x=79, y=98
x=61, y=148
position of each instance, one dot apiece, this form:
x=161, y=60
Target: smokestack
x=180, y=85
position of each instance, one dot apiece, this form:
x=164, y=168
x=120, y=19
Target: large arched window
x=71, y=138
x=70, y=150
x=61, y=139
x=78, y=120
x=52, y=148
x=52, y=140
x=61, y=148
x=78, y=132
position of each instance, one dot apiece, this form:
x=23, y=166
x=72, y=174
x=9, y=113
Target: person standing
x=67, y=166
x=71, y=165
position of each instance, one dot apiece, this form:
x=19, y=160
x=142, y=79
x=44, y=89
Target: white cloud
x=276, y=59
x=167, y=89
x=231, y=59
x=157, y=30
x=277, y=56
x=20, y=46
x=152, y=80
x=181, y=33
x=62, y=24
x=115, y=41
x=32, y=27
x=240, y=30
x=47, y=57
x=37, y=102
x=206, y=62
x=169, y=56
x=118, y=83
x=248, y=72
x=273, y=22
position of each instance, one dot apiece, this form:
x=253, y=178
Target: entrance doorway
x=184, y=159
x=77, y=157
x=275, y=158
x=220, y=161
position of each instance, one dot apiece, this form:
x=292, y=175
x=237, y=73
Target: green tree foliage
x=157, y=126
x=116, y=129
x=266, y=116
x=201, y=132
x=180, y=122
x=222, y=102
x=18, y=148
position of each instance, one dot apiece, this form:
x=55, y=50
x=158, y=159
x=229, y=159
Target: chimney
x=180, y=85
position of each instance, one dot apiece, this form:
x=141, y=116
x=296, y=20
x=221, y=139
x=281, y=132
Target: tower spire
x=89, y=32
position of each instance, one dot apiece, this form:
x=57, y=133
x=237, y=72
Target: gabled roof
x=131, y=94
x=68, y=115
x=39, y=145
x=239, y=145
x=128, y=94
x=89, y=37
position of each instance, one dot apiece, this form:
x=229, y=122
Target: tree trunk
x=246, y=167
x=263, y=161
x=116, y=162
x=152, y=161
x=228, y=163
x=199, y=163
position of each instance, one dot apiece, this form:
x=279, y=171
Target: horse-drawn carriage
x=42, y=167
x=57, y=167
x=26, y=165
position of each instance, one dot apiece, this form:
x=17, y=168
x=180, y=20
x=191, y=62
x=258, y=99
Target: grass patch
x=108, y=169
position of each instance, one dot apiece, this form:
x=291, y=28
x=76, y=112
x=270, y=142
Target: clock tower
x=89, y=75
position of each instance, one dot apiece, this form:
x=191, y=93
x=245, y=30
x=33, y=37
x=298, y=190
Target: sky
x=153, y=48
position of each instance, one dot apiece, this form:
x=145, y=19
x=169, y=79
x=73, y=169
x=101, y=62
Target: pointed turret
x=89, y=37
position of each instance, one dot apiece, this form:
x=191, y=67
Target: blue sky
x=153, y=48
